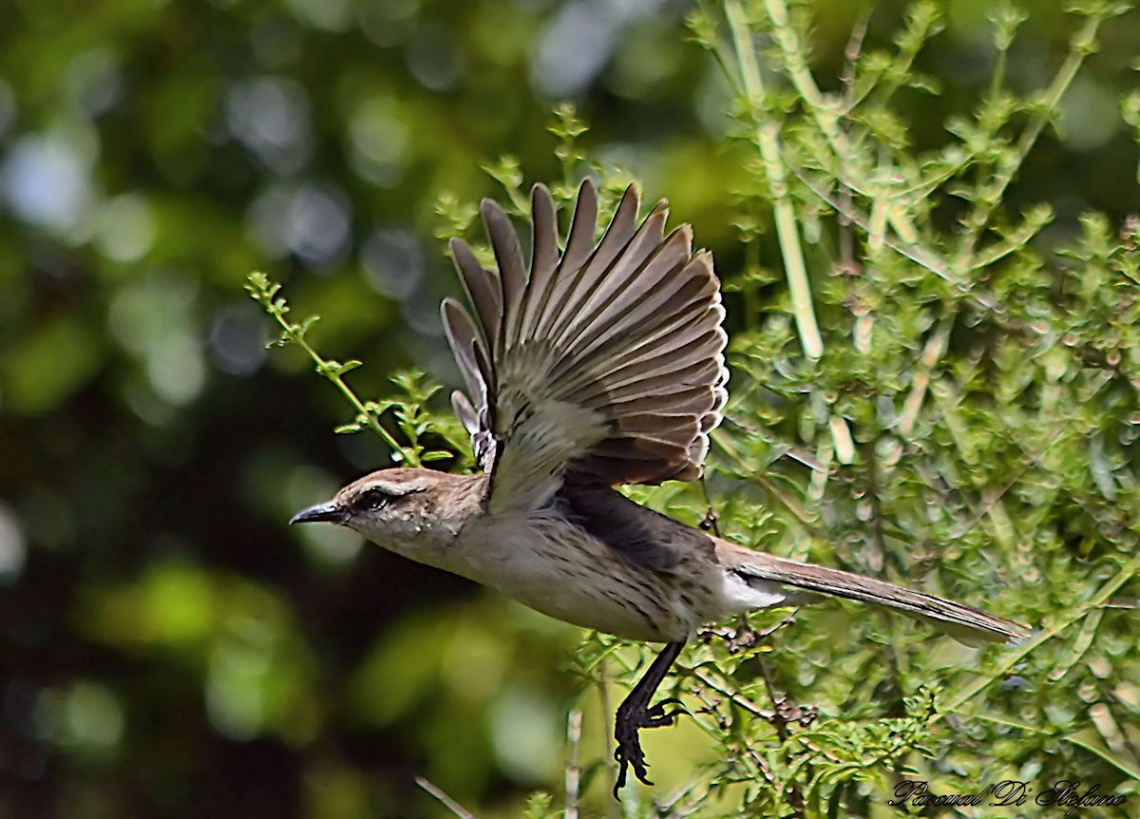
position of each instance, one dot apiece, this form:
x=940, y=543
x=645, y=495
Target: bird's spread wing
x=604, y=365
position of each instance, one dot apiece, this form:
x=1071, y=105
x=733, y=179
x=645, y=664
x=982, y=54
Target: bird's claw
x=657, y=716
x=629, y=754
x=626, y=731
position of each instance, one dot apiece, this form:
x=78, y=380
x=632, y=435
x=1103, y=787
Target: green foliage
x=409, y=410
x=966, y=424
x=923, y=216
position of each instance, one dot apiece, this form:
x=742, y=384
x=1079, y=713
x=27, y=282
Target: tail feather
x=964, y=623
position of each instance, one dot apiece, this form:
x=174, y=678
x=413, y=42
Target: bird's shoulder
x=647, y=538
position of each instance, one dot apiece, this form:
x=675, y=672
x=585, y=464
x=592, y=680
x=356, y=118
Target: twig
x=669, y=809
x=984, y=206
x=265, y=292
x=1031, y=459
x=573, y=769
x=776, y=718
x=847, y=264
x=767, y=138
x=607, y=735
x=795, y=59
x=733, y=696
x=922, y=256
x=710, y=521
x=444, y=799
x=1064, y=621
x=781, y=714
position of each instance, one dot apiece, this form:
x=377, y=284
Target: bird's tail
x=964, y=623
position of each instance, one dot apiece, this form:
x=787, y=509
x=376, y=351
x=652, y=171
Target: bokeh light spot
x=125, y=228
x=312, y=221
x=330, y=15
x=525, y=733
x=175, y=368
x=238, y=338
x=46, y=181
x=270, y=116
x=13, y=549
x=94, y=81
x=1091, y=117
x=379, y=138
x=393, y=262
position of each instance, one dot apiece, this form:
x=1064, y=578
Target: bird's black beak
x=321, y=513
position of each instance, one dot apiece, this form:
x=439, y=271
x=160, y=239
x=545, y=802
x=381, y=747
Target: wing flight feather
x=604, y=366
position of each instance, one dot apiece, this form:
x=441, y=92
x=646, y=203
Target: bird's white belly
x=555, y=568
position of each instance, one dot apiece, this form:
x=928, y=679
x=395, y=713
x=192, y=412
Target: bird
x=600, y=363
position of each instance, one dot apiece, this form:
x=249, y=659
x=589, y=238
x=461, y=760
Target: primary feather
x=604, y=364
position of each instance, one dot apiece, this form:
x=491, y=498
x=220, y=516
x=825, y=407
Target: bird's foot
x=631, y=718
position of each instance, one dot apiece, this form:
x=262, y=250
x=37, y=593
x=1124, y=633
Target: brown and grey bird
x=602, y=365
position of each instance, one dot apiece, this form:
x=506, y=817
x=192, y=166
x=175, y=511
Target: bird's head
x=397, y=507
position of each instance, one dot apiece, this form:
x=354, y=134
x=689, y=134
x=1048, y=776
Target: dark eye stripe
x=376, y=497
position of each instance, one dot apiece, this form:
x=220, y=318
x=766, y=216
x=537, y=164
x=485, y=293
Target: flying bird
x=601, y=363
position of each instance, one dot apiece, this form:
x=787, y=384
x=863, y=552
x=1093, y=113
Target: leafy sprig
x=412, y=419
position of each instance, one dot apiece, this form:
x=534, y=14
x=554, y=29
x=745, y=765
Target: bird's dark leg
x=634, y=714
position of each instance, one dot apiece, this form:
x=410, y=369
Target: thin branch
x=444, y=799
x=264, y=292
x=922, y=256
x=767, y=138
x=985, y=206
x=795, y=59
x=573, y=769
x=1063, y=622
x=607, y=735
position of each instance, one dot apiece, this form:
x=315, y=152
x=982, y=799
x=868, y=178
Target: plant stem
x=1064, y=621
x=985, y=206
x=323, y=368
x=767, y=138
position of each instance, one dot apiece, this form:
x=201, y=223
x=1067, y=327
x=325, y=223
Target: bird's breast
x=553, y=566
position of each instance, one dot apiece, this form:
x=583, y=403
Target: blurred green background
x=168, y=647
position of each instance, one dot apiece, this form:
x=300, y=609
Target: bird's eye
x=373, y=499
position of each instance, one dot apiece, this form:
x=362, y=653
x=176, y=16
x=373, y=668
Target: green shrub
x=932, y=385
